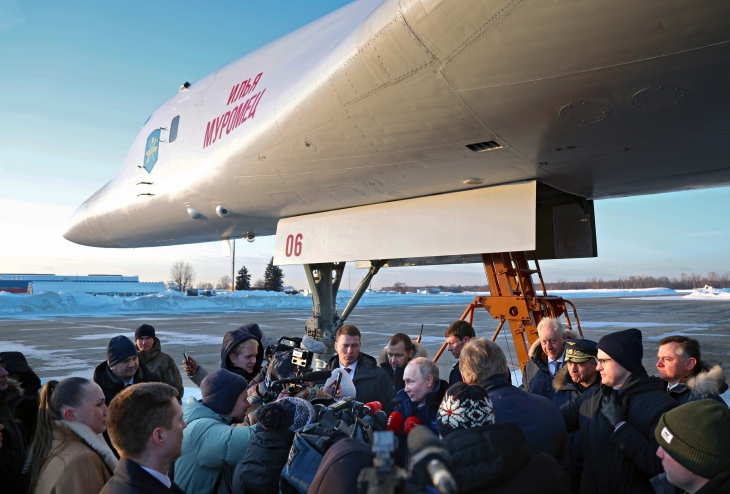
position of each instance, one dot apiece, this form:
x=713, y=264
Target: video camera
x=428, y=471
x=290, y=364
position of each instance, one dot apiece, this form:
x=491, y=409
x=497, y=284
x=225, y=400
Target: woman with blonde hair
x=68, y=453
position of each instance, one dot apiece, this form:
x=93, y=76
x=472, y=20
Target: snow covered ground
x=68, y=302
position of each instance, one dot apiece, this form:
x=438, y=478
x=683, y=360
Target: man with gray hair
x=483, y=363
x=423, y=392
x=547, y=356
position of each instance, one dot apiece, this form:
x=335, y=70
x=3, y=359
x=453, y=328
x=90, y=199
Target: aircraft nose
x=79, y=232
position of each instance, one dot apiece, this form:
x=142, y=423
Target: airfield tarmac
x=62, y=346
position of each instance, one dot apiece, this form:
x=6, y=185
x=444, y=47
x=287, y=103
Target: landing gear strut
x=512, y=298
x=324, y=281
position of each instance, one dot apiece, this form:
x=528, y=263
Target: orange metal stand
x=513, y=299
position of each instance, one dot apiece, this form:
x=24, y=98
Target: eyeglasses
x=603, y=361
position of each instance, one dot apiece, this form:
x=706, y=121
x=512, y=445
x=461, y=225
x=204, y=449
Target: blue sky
x=79, y=78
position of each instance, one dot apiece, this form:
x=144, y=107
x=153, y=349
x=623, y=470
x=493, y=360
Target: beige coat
x=82, y=462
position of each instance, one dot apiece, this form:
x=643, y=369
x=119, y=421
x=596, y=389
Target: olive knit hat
x=697, y=436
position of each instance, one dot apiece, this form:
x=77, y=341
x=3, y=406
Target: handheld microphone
x=429, y=461
x=371, y=408
x=411, y=423
x=395, y=422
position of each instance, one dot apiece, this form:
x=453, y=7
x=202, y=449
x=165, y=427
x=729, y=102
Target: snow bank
x=709, y=293
x=73, y=302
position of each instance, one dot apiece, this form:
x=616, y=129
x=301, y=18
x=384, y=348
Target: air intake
x=484, y=146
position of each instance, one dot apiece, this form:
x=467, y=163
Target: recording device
x=185, y=356
x=395, y=422
x=410, y=424
x=428, y=468
x=429, y=461
x=294, y=384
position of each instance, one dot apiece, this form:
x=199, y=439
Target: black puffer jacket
x=13, y=451
x=496, y=458
x=371, y=382
x=624, y=460
x=260, y=469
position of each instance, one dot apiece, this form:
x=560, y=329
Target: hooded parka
x=707, y=384
x=625, y=459
x=164, y=366
x=80, y=462
x=537, y=378
x=230, y=340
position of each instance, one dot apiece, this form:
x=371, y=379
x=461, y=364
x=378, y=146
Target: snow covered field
x=67, y=302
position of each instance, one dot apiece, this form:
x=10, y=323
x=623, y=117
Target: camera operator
x=371, y=382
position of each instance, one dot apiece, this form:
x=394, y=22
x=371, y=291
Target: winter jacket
x=566, y=390
x=230, y=340
x=623, y=460
x=260, y=469
x=537, y=417
x=13, y=451
x=340, y=467
x=496, y=458
x=26, y=410
x=396, y=376
x=537, y=378
x=210, y=446
x=111, y=385
x=708, y=383
x=717, y=485
x=81, y=462
x=371, y=382
x=130, y=478
x=425, y=414
x=164, y=366
x=455, y=375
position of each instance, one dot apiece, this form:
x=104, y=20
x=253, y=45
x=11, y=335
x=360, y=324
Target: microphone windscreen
x=315, y=346
x=348, y=387
x=410, y=424
x=421, y=438
x=395, y=422
x=374, y=406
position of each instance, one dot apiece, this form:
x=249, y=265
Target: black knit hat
x=221, y=389
x=144, y=330
x=697, y=436
x=119, y=348
x=624, y=347
x=464, y=407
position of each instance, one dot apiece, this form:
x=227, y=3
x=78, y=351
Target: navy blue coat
x=539, y=419
x=455, y=375
x=425, y=414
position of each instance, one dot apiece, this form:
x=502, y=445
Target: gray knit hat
x=697, y=436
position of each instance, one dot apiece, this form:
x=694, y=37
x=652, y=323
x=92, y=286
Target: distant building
x=114, y=285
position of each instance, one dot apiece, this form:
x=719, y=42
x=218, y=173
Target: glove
x=614, y=411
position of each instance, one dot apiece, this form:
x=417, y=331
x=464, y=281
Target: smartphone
x=185, y=356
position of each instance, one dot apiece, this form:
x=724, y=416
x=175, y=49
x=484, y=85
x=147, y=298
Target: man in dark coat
x=26, y=410
x=371, y=382
x=393, y=359
x=577, y=376
x=149, y=351
x=13, y=447
x=122, y=368
x=694, y=446
x=146, y=424
x=457, y=335
x=688, y=378
x=547, y=358
x=484, y=363
x=617, y=420
x=487, y=457
x=422, y=394
x=259, y=472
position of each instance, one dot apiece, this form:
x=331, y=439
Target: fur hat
x=464, y=407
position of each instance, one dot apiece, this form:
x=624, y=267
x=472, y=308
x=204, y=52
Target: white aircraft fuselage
x=379, y=100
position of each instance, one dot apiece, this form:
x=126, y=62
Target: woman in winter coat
x=69, y=453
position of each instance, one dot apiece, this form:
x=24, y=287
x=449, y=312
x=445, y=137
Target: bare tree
x=204, y=285
x=182, y=274
x=223, y=283
x=259, y=283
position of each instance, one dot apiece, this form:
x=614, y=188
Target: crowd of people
x=587, y=418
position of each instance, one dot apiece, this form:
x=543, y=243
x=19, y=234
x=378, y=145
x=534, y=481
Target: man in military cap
x=579, y=372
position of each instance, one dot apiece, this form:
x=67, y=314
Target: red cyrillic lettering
x=215, y=132
x=232, y=97
x=224, y=121
x=208, y=133
x=252, y=112
x=256, y=81
x=245, y=110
